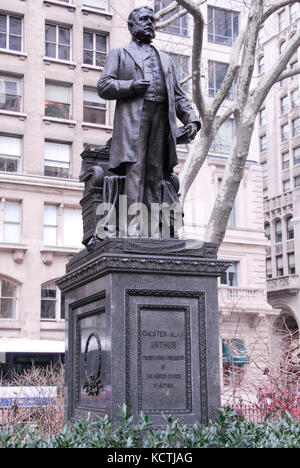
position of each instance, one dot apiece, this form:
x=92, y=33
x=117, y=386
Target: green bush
x=229, y=431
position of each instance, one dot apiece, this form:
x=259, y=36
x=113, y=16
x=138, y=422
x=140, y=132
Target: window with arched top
x=278, y=231
x=268, y=231
x=289, y=228
x=282, y=47
x=261, y=64
x=8, y=299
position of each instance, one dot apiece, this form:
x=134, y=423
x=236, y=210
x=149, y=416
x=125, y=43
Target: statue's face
x=144, y=26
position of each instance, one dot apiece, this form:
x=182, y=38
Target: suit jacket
x=123, y=66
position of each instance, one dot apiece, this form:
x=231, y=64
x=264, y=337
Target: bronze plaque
x=164, y=359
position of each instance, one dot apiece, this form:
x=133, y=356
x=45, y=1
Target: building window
x=289, y=228
x=265, y=193
x=278, y=231
x=293, y=12
x=284, y=132
x=286, y=185
x=284, y=105
x=50, y=225
x=94, y=49
x=295, y=99
x=296, y=127
x=263, y=143
x=12, y=222
x=10, y=93
x=262, y=117
x=48, y=301
x=294, y=66
x=230, y=276
x=57, y=159
x=10, y=153
x=261, y=37
x=291, y=264
x=179, y=26
x=268, y=231
x=297, y=155
x=232, y=218
x=297, y=181
x=264, y=167
x=235, y=359
x=57, y=101
x=269, y=268
x=223, y=25
x=223, y=140
x=282, y=47
x=285, y=160
x=58, y=42
x=182, y=66
x=216, y=75
x=94, y=108
x=10, y=32
x=261, y=64
x=99, y=4
x=62, y=226
x=279, y=265
x=8, y=299
x=73, y=230
x=282, y=20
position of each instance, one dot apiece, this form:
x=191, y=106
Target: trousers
x=144, y=177
x=143, y=183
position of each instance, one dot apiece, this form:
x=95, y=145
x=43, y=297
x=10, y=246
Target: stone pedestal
x=142, y=329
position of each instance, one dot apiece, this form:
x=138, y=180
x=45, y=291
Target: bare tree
x=244, y=108
x=269, y=383
x=48, y=414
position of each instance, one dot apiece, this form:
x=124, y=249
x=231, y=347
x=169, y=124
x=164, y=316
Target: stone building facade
x=278, y=145
x=51, y=55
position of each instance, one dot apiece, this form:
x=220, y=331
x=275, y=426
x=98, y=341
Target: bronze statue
x=149, y=100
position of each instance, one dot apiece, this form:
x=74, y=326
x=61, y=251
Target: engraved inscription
x=164, y=356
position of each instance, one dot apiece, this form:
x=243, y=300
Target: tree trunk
x=232, y=178
x=197, y=155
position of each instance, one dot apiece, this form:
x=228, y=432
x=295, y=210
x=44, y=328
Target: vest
x=157, y=91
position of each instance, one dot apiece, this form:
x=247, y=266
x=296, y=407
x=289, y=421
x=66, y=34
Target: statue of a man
x=149, y=100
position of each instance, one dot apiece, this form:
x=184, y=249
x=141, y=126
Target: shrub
x=47, y=418
x=229, y=431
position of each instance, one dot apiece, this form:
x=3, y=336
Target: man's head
x=141, y=24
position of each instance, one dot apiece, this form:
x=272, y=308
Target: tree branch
x=193, y=7
x=276, y=72
x=173, y=18
x=230, y=74
x=225, y=116
x=187, y=78
x=169, y=9
x=288, y=74
x=165, y=11
x=248, y=59
x=275, y=6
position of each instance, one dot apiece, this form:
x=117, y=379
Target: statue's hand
x=140, y=87
x=192, y=128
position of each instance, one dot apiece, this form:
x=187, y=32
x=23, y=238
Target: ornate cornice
x=105, y=264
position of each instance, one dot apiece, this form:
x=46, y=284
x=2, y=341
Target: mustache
x=139, y=30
